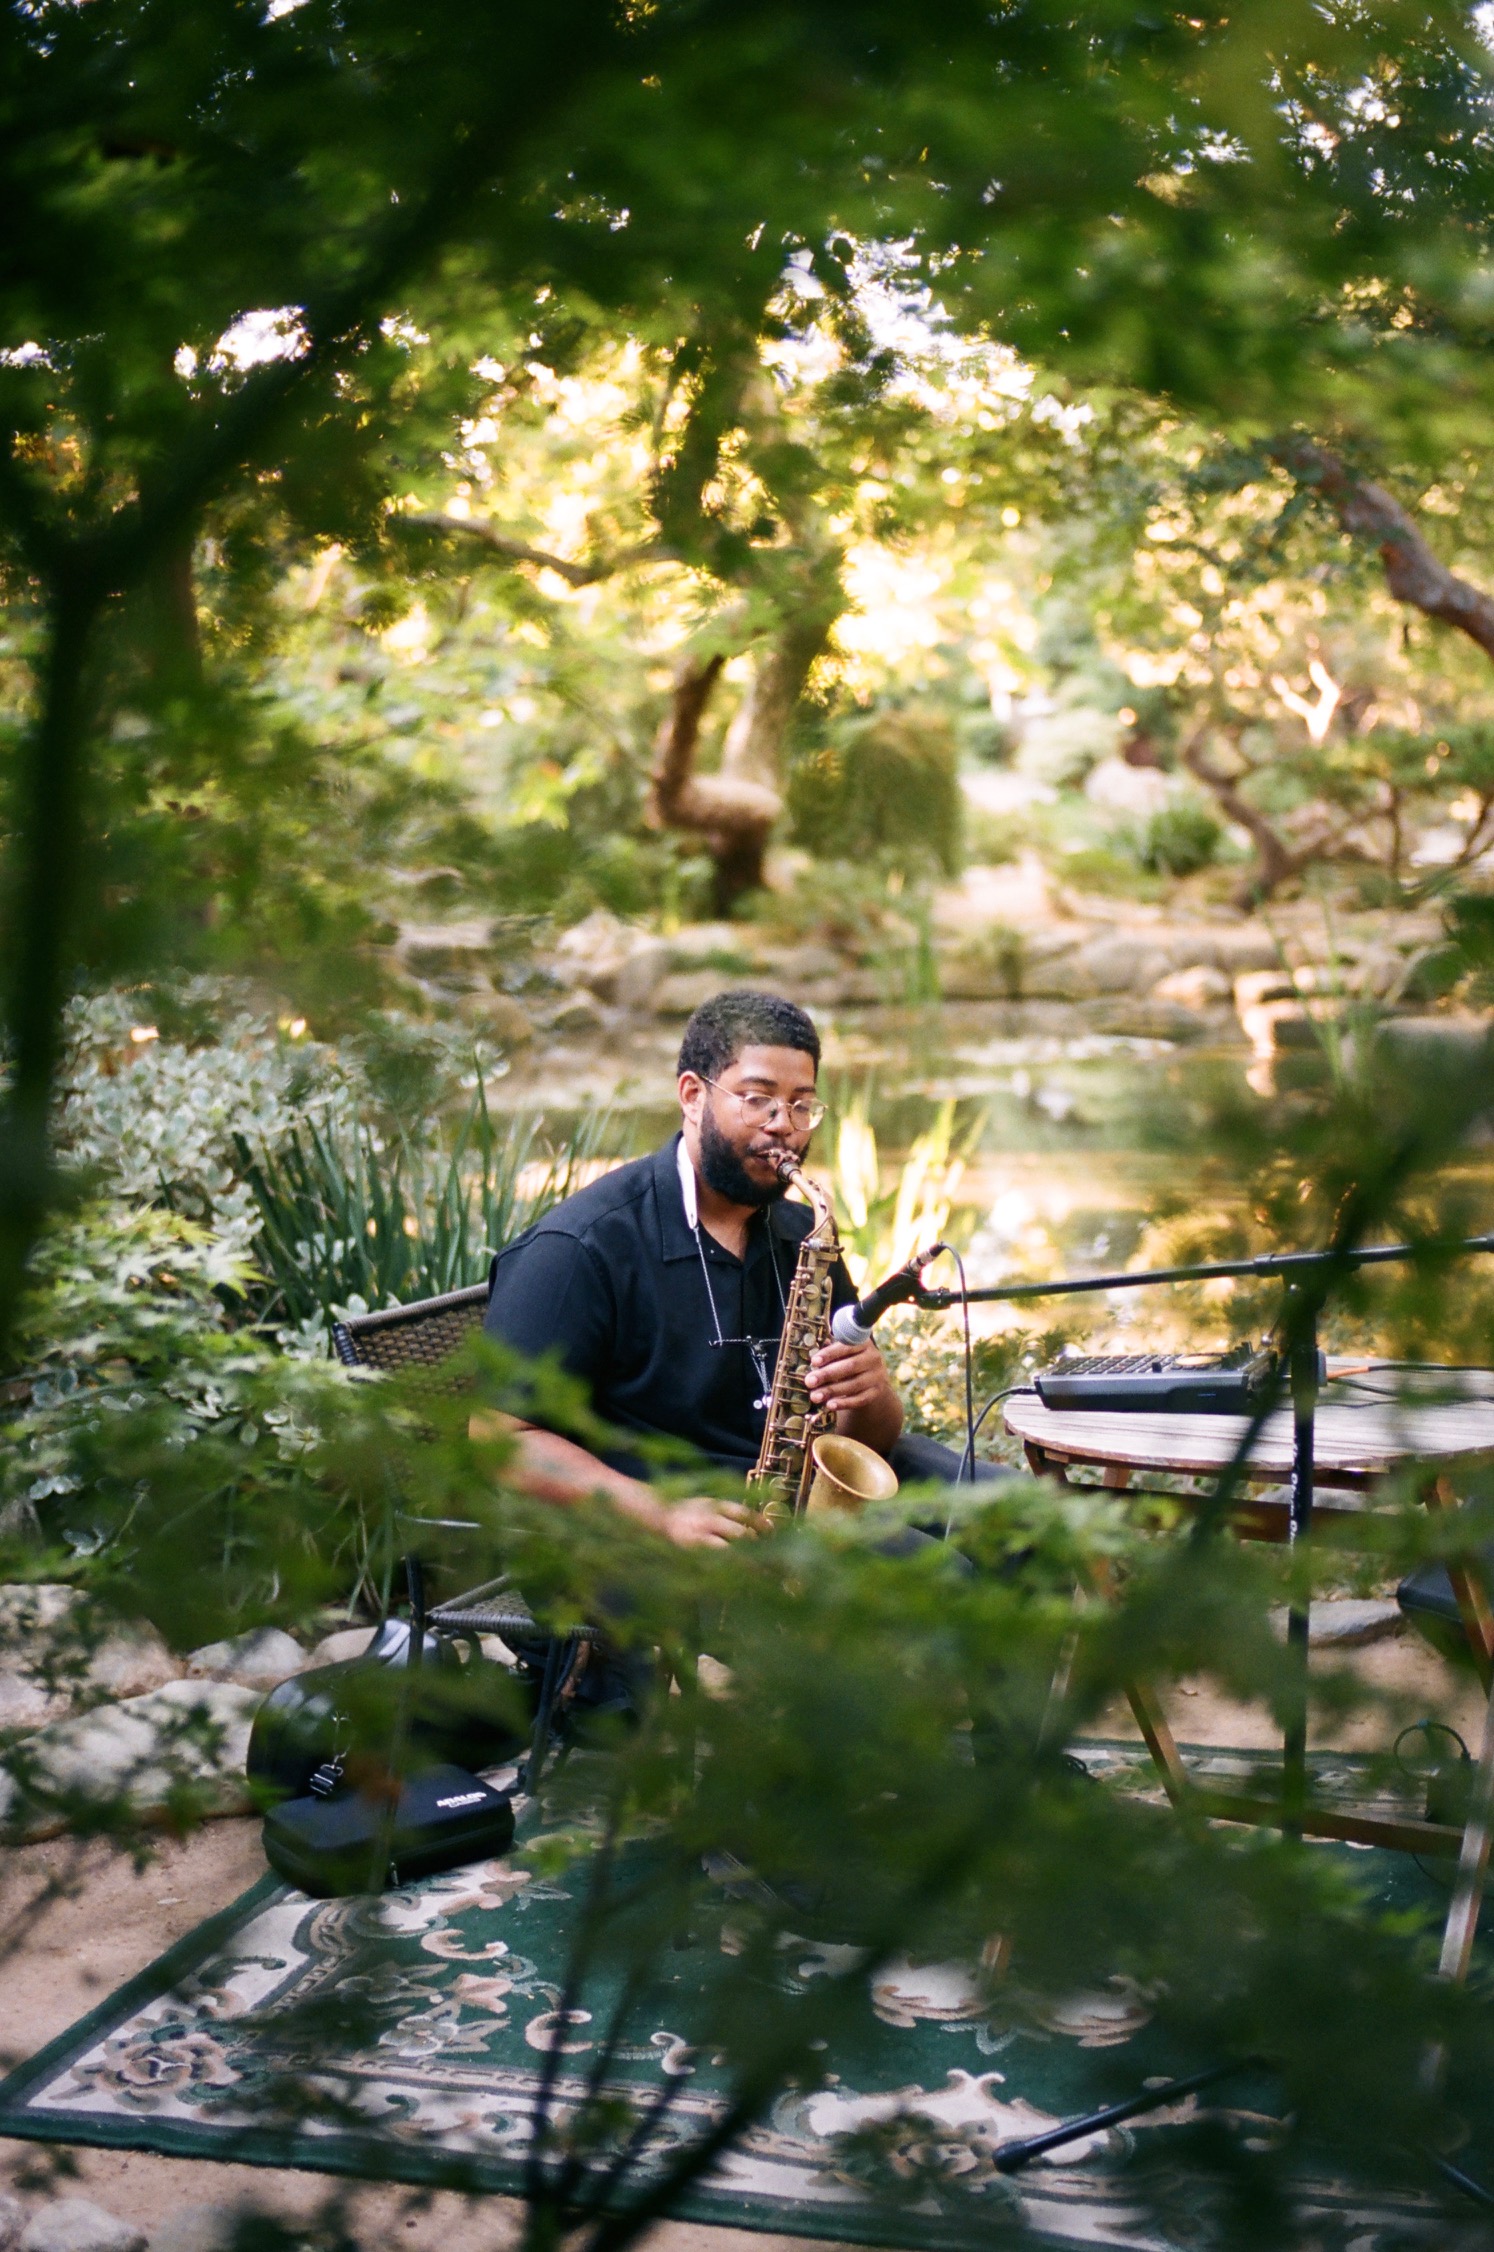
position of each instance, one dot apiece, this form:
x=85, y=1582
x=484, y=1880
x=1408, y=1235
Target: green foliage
x=882, y=787
x=849, y=1683
x=195, y=766
x=352, y=1218
x=1180, y=838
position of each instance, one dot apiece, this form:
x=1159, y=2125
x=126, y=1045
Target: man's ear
x=692, y=1092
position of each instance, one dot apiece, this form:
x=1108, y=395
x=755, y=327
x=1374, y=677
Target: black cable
x=967, y=1467
x=1462, y=2181
x=995, y=1401
x=974, y=1434
x=1009, y=2158
x=1431, y=1777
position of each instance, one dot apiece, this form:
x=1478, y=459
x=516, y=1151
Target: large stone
x=1348, y=1622
x=186, y=1741
x=505, y=1021
x=1452, y=1040
x=639, y=976
x=597, y=941
x=12, y=2219
x=681, y=993
x=615, y=960
x=793, y=966
x=859, y=989
x=1104, y=963
x=447, y=949
x=57, y=1653
x=707, y=945
x=1132, y=1018
x=1057, y=977
x=577, y=1016
x=1230, y=948
x=1379, y=973
x=76, y=2224
x=1201, y=987
x=200, y=2228
x=1123, y=962
x=260, y=1659
x=347, y=1642
x=1253, y=987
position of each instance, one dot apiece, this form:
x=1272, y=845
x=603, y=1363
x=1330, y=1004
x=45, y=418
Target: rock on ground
x=201, y=2228
x=76, y=2224
x=144, y=1754
x=1202, y=987
x=1347, y=1622
x=336, y=1649
x=260, y=1659
x=12, y=2219
x=58, y=1654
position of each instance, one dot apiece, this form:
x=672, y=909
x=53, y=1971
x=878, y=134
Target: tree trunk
x=170, y=640
x=753, y=753
x=732, y=816
x=1275, y=861
x=50, y=821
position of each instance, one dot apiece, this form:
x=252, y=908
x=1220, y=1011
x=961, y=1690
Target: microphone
x=852, y=1325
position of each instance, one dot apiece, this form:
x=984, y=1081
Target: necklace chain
x=757, y=1347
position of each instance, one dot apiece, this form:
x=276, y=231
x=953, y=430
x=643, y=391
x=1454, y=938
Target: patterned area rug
x=428, y=2015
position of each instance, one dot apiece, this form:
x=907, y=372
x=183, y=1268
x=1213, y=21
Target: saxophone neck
x=793, y=1174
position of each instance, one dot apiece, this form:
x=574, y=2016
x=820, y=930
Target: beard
x=726, y=1173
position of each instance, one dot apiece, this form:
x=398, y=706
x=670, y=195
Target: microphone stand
x=1308, y=1276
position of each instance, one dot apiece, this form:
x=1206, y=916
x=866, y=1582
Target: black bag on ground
x=318, y=1716
x=349, y=1842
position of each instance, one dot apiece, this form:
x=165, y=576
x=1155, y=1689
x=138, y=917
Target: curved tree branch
x=679, y=737
x=1275, y=860
x=1367, y=511
x=519, y=551
x=730, y=814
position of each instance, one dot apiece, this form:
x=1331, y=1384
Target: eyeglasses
x=804, y=1113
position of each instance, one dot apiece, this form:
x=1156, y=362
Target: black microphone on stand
x=853, y=1325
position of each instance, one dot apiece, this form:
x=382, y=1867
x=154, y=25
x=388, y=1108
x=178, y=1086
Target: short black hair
x=729, y=1022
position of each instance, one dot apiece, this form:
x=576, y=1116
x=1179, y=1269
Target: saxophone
x=803, y=1464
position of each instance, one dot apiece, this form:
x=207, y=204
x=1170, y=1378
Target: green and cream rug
x=407, y=2036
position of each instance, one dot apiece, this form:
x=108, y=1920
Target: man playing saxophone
x=663, y=1287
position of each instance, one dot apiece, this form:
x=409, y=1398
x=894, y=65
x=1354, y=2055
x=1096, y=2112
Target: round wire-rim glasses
x=803, y=1114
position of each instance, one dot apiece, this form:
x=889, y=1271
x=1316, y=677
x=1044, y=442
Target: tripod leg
x=1473, y=1862
x=559, y=1659
x=1304, y=1407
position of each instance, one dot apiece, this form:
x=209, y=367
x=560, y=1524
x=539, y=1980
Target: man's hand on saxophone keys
x=852, y=1383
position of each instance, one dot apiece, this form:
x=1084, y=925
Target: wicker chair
x=419, y=1337
x=421, y=1340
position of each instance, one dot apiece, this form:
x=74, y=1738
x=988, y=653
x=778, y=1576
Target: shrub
x=1180, y=838
x=882, y=786
x=350, y=1216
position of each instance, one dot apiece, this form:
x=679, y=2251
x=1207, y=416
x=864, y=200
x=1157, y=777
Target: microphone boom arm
x=1285, y=1266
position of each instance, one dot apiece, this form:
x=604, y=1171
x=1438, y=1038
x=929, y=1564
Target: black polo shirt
x=615, y=1285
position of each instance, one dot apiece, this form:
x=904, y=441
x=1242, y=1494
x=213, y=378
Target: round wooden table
x=1367, y=1424
x=1372, y=1417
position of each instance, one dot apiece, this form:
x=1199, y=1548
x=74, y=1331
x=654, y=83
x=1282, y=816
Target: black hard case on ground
x=317, y=1715
x=347, y=1843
